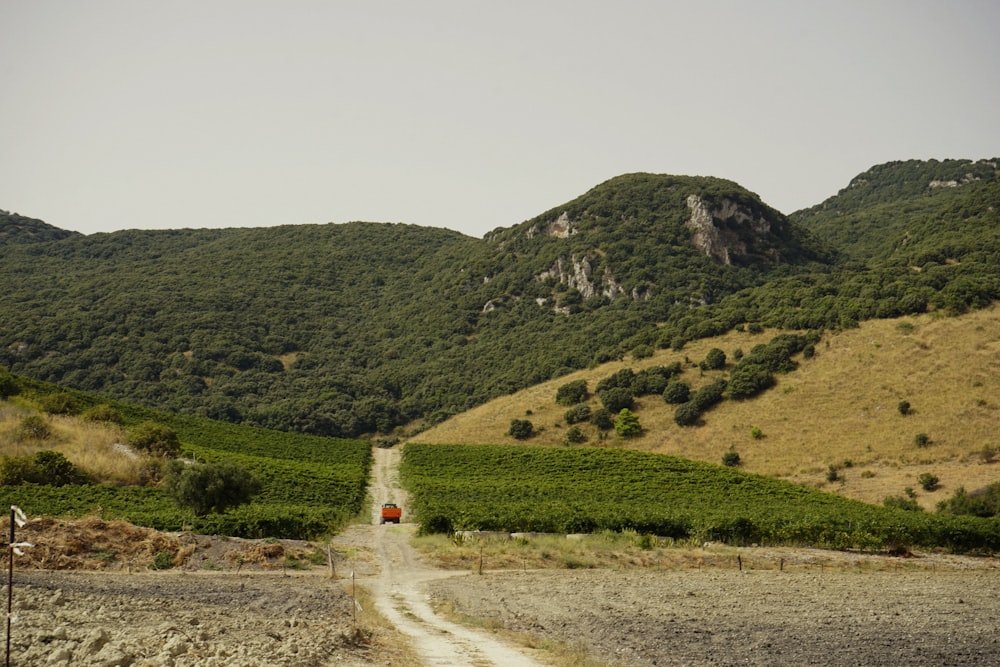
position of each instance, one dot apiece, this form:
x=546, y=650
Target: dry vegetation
x=95, y=447
x=841, y=406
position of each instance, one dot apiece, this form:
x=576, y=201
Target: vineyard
x=310, y=485
x=581, y=490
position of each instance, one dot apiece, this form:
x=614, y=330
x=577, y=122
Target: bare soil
x=763, y=617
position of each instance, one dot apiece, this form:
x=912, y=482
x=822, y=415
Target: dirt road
x=400, y=589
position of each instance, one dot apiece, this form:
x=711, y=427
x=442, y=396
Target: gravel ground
x=176, y=619
x=690, y=617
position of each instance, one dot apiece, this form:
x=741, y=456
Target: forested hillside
x=364, y=327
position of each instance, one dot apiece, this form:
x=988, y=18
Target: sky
x=136, y=114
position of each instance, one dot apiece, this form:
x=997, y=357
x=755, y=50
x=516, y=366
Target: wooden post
x=329, y=560
x=781, y=565
x=480, y=559
x=739, y=562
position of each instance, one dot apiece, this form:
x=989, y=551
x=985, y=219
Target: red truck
x=391, y=513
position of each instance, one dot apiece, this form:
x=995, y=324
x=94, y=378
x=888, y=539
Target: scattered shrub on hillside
x=755, y=328
x=103, y=413
x=687, y=414
x=615, y=399
x=627, y=424
x=653, y=380
x=676, y=392
x=928, y=481
x=578, y=413
x=623, y=379
x=714, y=360
x=572, y=393
x=904, y=408
x=738, y=353
x=809, y=351
x=154, y=439
x=908, y=504
x=209, y=487
x=710, y=394
x=60, y=403
x=731, y=458
x=832, y=473
x=33, y=427
x=921, y=440
x=521, y=429
x=756, y=433
x=602, y=419
x=984, y=502
x=575, y=436
x=44, y=467
x=747, y=380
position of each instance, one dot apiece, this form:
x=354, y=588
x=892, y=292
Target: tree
x=578, y=413
x=521, y=429
x=928, y=481
x=714, y=360
x=155, y=439
x=616, y=398
x=210, y=487
x=627, y=424
x=572, y=393
x=687, y=414
x=677, y=392
x=602, y=419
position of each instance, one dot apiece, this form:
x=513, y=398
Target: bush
x=676, y=392
x=33, y=427
x=521, y=429
x=904, y=408
x=710, y=394
x=731, y=458
x=687, y=414
x=908, y=504
x=714, y=360
x=921, y=440
x=210, y=487
x=578, y=413
x=162, y=560
x=627, y=424
x=8, y=385
x=602, y=419
x=154, y=439
x=928, y=481
x=756, y=433
x=747, y=380
x=575, y=436
x=572, y=393
x=832, y=474
x=104, y=413
x=642, y=352
x=44, y=467
x=616, y=399
x=60, y=403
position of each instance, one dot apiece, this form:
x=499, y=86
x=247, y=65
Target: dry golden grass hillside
x=839, y=408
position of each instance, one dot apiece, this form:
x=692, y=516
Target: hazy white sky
x=469, y=115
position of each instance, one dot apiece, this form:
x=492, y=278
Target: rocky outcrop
x=578, y=273
x=722, y=232
x=562, y=227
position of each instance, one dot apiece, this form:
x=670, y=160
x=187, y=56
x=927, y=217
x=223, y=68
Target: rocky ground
x=729, y=617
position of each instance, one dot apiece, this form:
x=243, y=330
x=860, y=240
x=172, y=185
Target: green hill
x=363, y=328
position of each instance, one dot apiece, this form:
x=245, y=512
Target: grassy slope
x=840, y=405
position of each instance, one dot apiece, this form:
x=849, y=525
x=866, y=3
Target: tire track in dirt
x=400, y=591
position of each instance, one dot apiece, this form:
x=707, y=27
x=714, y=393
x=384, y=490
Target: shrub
x=832, y=474
x=714, y=360
x=921, y=440
x=616, y=399
x=8, y=385
x=928, y=481
x=154, y=439
x=642, y=352
x=710, y=394
x=602, y=419
x=575, y=436
x=33, y=427
x=731, y=458
x=44, y=467
x=908, y=504
x=572, y=393
x=162, y=560
x=210, y=487
x=748, y=380
x=578, y=413
x=687, y=414
x=60, y=403
x=104, y=413
x=904, y=408
x=521, y=429
x=627, y=424
x=756, y=433
x=676, y=392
